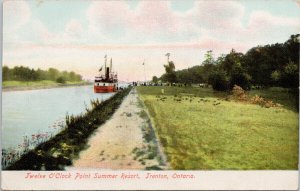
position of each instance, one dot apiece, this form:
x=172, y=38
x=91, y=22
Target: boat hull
x=104, y=89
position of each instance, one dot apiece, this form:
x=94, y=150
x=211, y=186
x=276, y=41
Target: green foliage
x=219, y=81
x=21, y=73
x=61, y=80
x=209, y=58
x=240, y=77
x=275, y=76
x=268, y=65
x=5, y=73
x=155, y=79
x=290, y=75
x=170, y=75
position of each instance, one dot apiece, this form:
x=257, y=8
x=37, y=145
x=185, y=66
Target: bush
x=219, y=81
x=61, y=80
x=240, y=79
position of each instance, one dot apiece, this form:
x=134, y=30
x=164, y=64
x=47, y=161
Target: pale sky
x=76, y=34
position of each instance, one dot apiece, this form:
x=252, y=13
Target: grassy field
x=200, y=130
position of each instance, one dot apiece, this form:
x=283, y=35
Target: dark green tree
x=170, y=72
x=155, y=79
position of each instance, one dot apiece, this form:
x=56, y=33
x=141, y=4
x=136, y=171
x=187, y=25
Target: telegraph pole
x=144, y=71
x=168, y=55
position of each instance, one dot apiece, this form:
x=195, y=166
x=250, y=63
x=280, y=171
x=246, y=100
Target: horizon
x=75, y=36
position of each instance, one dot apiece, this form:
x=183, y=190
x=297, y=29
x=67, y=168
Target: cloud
x=213, y=14
x=107, y=16
x=16, y=14
x=74, y=29
x=148, y=30
x=154, y=17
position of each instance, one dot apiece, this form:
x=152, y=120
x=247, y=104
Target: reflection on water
x=41, y=112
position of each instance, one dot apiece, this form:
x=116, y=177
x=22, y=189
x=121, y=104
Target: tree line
x=21, y=73
x=261, y=66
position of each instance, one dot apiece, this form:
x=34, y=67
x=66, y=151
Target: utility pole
x=168, y=55
x=144, y=71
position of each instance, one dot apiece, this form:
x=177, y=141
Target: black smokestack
x=107, y=73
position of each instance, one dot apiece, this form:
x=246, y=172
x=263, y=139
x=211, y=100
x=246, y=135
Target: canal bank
x=59, y=151
x=42, y=86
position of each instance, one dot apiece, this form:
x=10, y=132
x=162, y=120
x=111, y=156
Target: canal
x=41, y=112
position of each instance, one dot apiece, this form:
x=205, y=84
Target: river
x=25, y=113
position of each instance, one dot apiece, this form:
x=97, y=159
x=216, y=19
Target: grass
x=279, y=95
x=151, y=151
x=10, y=84
x=60, y=150
x=200, y=130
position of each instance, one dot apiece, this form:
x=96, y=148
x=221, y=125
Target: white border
x=203, y=180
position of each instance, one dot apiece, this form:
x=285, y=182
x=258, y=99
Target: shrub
x=61, y=80
x=219, y=81
x=241, y=79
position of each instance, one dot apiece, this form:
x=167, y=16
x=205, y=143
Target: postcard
x=150, y=95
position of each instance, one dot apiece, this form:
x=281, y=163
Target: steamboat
x=107, y=82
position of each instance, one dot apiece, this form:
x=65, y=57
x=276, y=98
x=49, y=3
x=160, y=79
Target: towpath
x=119, y=143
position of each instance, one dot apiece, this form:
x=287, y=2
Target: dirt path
x=119, y=143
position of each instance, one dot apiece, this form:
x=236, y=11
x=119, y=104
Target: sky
x=75, y=35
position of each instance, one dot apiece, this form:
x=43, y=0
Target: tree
x=5, y=73
x=170, y=72
x=290, y=75
x=61, y=80
x=219, y=80
x=232, y=60
x=154, y=79
x=276, y=76
x=240, y=77
x=209, y=58
x=72, y=76
x=41, y=74
x=53, y=74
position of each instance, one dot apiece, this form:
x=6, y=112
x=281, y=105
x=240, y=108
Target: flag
x=100, y=69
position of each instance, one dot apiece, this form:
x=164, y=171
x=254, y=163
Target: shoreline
x=59, y=151
x=25, y=88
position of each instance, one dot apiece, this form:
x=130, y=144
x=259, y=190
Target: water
x=25, y=113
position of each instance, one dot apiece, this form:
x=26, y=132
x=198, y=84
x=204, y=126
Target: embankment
x=60, y=150
x=36, y=86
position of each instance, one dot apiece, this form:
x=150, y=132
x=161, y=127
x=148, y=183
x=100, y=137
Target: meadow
x=200, y=129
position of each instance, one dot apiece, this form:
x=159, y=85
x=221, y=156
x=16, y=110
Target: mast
x=110, y=67
x=105, y=57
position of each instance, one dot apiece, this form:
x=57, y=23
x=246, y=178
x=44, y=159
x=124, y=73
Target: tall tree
x=170, y=72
